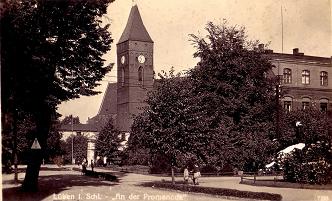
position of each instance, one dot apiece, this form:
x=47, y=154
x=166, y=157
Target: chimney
x=296, y=51
x=261, y=47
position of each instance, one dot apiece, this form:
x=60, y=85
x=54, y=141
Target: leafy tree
x=312, y=164
x=168, y=128
x=25, y=139
x=80, y=147
x=108, y=141
x=54, y=148
x=313, y=128
x=51, y=52
x=235, y=93
x=70, y=119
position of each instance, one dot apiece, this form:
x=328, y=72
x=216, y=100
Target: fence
x=254, y=177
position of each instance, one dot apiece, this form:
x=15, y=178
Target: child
x=186, y=175
x=196, y=175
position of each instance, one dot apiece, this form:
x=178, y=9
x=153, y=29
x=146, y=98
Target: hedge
x=215, y=191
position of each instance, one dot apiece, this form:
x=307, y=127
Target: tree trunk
x=15, y=145
x=32, y=172
x=173, y=178
x=43, y=123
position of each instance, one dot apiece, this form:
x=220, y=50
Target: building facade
x=305, y=80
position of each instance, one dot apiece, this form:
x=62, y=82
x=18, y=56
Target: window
x=305, y=105
x=140, y=75
x=287, y=76
x=305, y=77
x=288, y=106
x=323, y=78
x=323, y=107
x=122, y=77
x=323, y=103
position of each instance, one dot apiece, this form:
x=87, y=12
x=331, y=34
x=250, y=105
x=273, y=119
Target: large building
x=305, y=80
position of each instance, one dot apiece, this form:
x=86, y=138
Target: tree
x=51, y=52
x=25, y=139
x=233, y=90
x=80, y=147
x=168, y=127
x=314, y=127
x=70, y=119
x=108, y=141
x=312, y=164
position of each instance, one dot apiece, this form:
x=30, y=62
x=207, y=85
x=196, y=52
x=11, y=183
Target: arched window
x=122, y=77
x=305, y=77
x=287, y=103
x=323, y=78
x=140, y=74
x=305, y=103
x=287, y=76
x=323, y=104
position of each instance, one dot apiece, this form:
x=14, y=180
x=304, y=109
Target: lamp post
x=298, y=126
x=278, y=96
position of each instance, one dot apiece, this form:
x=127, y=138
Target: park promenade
x=65, y=184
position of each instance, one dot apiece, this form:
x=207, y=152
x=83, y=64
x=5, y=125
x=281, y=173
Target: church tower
x=135, y=69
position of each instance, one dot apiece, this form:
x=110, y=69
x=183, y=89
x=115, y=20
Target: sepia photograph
x=166, y=100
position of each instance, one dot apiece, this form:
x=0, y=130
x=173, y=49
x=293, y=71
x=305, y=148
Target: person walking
x=84, y=164
x=92, y=165
x=186, y=175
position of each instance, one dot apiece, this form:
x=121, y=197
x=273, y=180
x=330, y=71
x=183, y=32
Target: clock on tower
x=135, y=69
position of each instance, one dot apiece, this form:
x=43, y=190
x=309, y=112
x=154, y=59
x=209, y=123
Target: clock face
x=141, y=59
x=123, y=59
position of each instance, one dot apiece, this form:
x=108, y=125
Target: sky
x=306, y=24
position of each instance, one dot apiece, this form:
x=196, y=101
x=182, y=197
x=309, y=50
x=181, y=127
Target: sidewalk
x=288, y=194
x=61, y=185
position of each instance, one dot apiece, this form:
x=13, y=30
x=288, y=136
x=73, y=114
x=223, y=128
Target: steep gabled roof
x=135, y=29
x=109, y=104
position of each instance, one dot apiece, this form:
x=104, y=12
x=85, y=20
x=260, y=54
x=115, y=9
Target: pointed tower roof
x=135, y=29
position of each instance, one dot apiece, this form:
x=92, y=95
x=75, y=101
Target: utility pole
x=282, y=29
x=72, y=140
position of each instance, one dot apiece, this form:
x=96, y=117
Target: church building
x=135, y=76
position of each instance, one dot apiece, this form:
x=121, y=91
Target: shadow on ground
x=284, y=184
x=54, y=184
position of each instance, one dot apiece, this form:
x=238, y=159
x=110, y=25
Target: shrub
x=215, y=191
x=312, y=164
